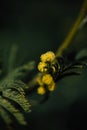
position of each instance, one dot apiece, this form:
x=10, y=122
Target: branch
x=73, y=31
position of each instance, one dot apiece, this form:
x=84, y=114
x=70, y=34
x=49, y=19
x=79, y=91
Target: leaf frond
x=12, y=110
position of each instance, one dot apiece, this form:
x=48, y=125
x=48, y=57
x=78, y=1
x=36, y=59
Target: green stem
x=12, y=57
x=73, y=31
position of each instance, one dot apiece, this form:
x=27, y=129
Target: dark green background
x=36, y=27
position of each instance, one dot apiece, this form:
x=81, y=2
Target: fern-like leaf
x=22, y=71
x=5, y=116
x=17, y=98
x=13, y=95
x=4, y=103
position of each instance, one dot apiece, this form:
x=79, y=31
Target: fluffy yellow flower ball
x=51, y=87
x=47, y=79
x=41, y=90
x=48, y=56
x=42, y=67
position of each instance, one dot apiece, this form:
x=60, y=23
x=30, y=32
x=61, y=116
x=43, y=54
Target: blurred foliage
x=36, y=27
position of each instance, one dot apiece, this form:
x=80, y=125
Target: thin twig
x=73, y=30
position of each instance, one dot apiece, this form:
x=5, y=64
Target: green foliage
x=15, y=84
x=7, y=106
x=13, y=98
x=74, y=67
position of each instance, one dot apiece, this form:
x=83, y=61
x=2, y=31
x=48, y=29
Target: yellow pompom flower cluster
x=45, y=58
x=42, y=67
x=48, y=56
x=47, y=79
x=45, y=82
x=41, y=90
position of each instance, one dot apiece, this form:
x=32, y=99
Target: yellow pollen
x=42, y=67
x=51, y=87
x=47, y=79
x=48, y=56
x=41, y=90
